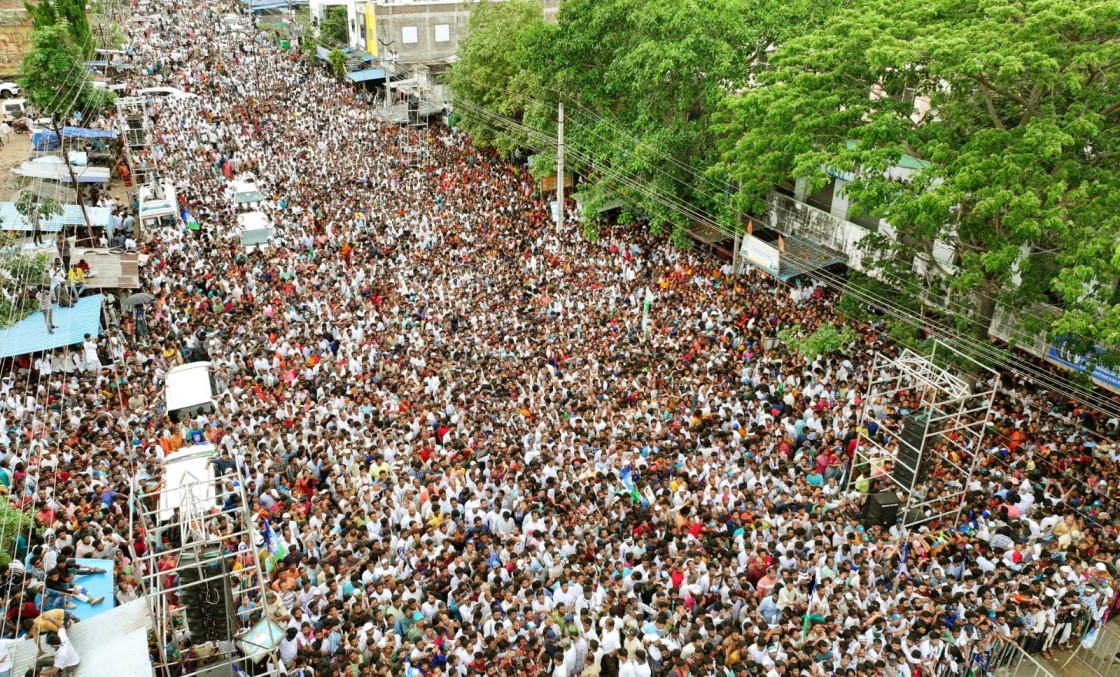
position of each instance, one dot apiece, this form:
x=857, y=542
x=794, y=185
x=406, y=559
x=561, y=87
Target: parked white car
x=8, y=90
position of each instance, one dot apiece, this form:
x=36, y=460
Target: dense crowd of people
x=470, y=455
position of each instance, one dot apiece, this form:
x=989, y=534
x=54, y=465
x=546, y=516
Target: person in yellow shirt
x=77, y=279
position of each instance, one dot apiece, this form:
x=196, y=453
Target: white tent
x=52, y=168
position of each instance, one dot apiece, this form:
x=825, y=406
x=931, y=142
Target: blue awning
x=71, y=216
x=367, y=74
x=87, y=133
x=259, y=5
x=30, y=335
x=323, y=52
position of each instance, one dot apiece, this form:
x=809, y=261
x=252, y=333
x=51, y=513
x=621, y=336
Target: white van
x=189, y=391
x=255, y=229
x=245, y=193
x=159, y=208
x=166, y=93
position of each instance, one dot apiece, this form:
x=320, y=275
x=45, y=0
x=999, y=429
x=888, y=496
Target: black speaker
x=911, y=465
x=206, y=595
x=881, y=508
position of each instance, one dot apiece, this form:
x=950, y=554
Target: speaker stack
x=911, y=466
x=881, y=509
x=208, y=603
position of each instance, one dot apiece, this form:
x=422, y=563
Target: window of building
x=822, y=199
x=443, y=33
x=409, y=35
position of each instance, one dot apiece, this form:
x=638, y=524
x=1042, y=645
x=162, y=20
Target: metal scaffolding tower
x=202, y=563
x=922, y=429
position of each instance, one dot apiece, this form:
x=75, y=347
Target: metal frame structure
x=133, y=126
x=202, y=559
x=956, y=410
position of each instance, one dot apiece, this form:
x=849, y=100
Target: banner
x=1061, y=355
x=762, y=255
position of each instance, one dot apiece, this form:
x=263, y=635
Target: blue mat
x=98, y=585
x=29, y=335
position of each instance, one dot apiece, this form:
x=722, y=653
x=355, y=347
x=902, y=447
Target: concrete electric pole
x=560, y=165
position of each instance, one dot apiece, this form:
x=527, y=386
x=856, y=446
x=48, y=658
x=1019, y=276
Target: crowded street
x=475, y=457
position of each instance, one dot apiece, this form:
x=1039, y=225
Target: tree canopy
x=985, y=128
x=496, y=69
x=640, y=80
x=45, y=13
x=1016, y=164
x=333, y=30
x=55, y=79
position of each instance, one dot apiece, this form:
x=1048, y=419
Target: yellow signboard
x=371, y=28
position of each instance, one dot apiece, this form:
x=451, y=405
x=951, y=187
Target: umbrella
x=137, y=299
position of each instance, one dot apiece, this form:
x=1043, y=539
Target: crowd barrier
x=990, y=658
x=1098, y=650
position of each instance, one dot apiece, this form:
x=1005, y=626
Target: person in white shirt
x=66, y=658
x=639, y=667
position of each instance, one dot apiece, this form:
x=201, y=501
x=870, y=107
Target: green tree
x=35, y=209
x=1014, y=165
x=640, y=80
x=825, y=340
x=337, y=59
x=16, y=526
x=54, y=78
x=334, y=28
x=494, y=70
x=46, y=13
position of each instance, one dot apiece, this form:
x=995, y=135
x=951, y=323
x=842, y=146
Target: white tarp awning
x=112, y=644
x=52, y=168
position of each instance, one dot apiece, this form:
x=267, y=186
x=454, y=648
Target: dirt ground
x=11, y=155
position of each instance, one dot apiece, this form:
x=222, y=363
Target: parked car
x=8, y=90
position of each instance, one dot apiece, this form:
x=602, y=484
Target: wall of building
x=787, y=215
x=422, y=30
x=15, y=36
x=793, y=217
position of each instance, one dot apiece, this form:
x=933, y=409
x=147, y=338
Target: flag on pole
x=808, y=608
x=626, y=477
x=645, y=310
x=276, y=548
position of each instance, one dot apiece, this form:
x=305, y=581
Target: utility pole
x=560, y=165
x=73, y=179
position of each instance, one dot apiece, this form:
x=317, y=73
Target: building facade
x=15, y=36
x=409, y=31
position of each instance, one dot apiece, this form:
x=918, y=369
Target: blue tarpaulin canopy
x=30, y=335
x=71, y=216
x=46, y=139
x=87, y=133
x=367, y=74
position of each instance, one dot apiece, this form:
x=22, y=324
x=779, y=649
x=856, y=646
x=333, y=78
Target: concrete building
x=15, y=36
x=408, y=31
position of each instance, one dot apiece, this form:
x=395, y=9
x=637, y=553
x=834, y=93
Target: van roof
x=188, y=385
x=152, y=209
x=254, y=221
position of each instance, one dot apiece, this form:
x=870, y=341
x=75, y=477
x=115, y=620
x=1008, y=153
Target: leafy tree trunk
x=984, y=309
